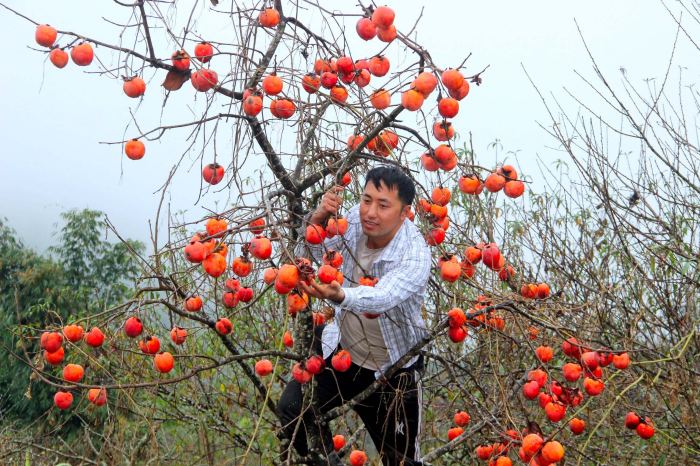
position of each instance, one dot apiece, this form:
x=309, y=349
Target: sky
x=54, y=122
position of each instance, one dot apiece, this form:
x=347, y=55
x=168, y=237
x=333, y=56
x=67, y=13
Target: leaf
x=174, y=80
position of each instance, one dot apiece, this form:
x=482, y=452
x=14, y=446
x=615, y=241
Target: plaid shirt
x=403, y=269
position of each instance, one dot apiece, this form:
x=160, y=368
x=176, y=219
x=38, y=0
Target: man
x=377, y=324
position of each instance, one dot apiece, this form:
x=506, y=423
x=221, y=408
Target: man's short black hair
x=393, y=178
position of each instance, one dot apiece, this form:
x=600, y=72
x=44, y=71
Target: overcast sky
x=54, y=120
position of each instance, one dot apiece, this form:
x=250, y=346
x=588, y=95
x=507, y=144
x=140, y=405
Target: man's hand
x=330, y=203
x=333, y=291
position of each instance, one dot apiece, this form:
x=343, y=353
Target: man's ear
x=405, y=211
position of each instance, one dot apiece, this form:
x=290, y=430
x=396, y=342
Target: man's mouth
x=370, y=224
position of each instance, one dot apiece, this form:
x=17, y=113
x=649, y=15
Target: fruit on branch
x=380, y=99
x=577, y=426
x=544, y=353
x=383, y=17
x=490, y=255
x=592, y=386
x=300, y=374
x=494, y=182
x=484, y=452
x=97, y=396
x=571, y=347
x=134, y=87
x=178, y=335
x=134, y=149
x=213, y=173
x=362, y=78
x=531, y=389
x=387, y=34
x=180, y=60
x=457, y=334
x=193, y=304
x=269, y=275
x=269, y=18
x=45, y=35
x=448, y=107
x=462, y=418
x=338, y=440
x=425, y=83
x=282, y=108
x=444, y=153
x=450, y=271
x=297, y=301
x=456, y=317
x=257, y=226
x=452, y=79
x=321, y=66
x=508, y=171
x=94, y=337
x=327, y=273
x=272, y=84
x=412, y=100
x=571, y=371
x=539, y=376
x=82, y=54
x=214, y=264
x=379, y=65
x=329, y=79
x=252, y=105
x=150, y=345
x=454, y=432
x=58, y=57
x=532, y=444
x=645, y=429
x=339, y=94
x=245, y=294
x=287, y=339
x=506, y=273
x=260, y=248
x=443, y=131
x=460, y=93
x=436, y=236
x=441, y=196
x=164, y=362
x=468, y=269
x=63, y=400
x=133, y=327
x=514, y=189
x=429, y=163
x=51, y=341
x=223, y=326
x=315, y=364
x=358, y=458
x=341, y=361
x=555, y=411
x=73, y=372
x=242, y=266
x=263, y=367
x=332, y=258
x=552, y=452
x=204, y=80
x=315, y=234
x=621, y=361
x=366, y=29
x=203, y=52
x=590, y=359
x=472, y=255
x=311, y=83
x=55, y=358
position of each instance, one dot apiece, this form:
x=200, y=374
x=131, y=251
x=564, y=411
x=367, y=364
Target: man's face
x=381, y=211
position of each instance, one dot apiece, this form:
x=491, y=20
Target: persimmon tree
x=197, y=357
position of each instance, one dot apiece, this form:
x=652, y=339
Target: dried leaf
x=174, y=80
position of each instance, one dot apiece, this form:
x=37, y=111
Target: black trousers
x=391, y=414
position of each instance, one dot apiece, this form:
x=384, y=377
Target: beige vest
x=361, y=336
